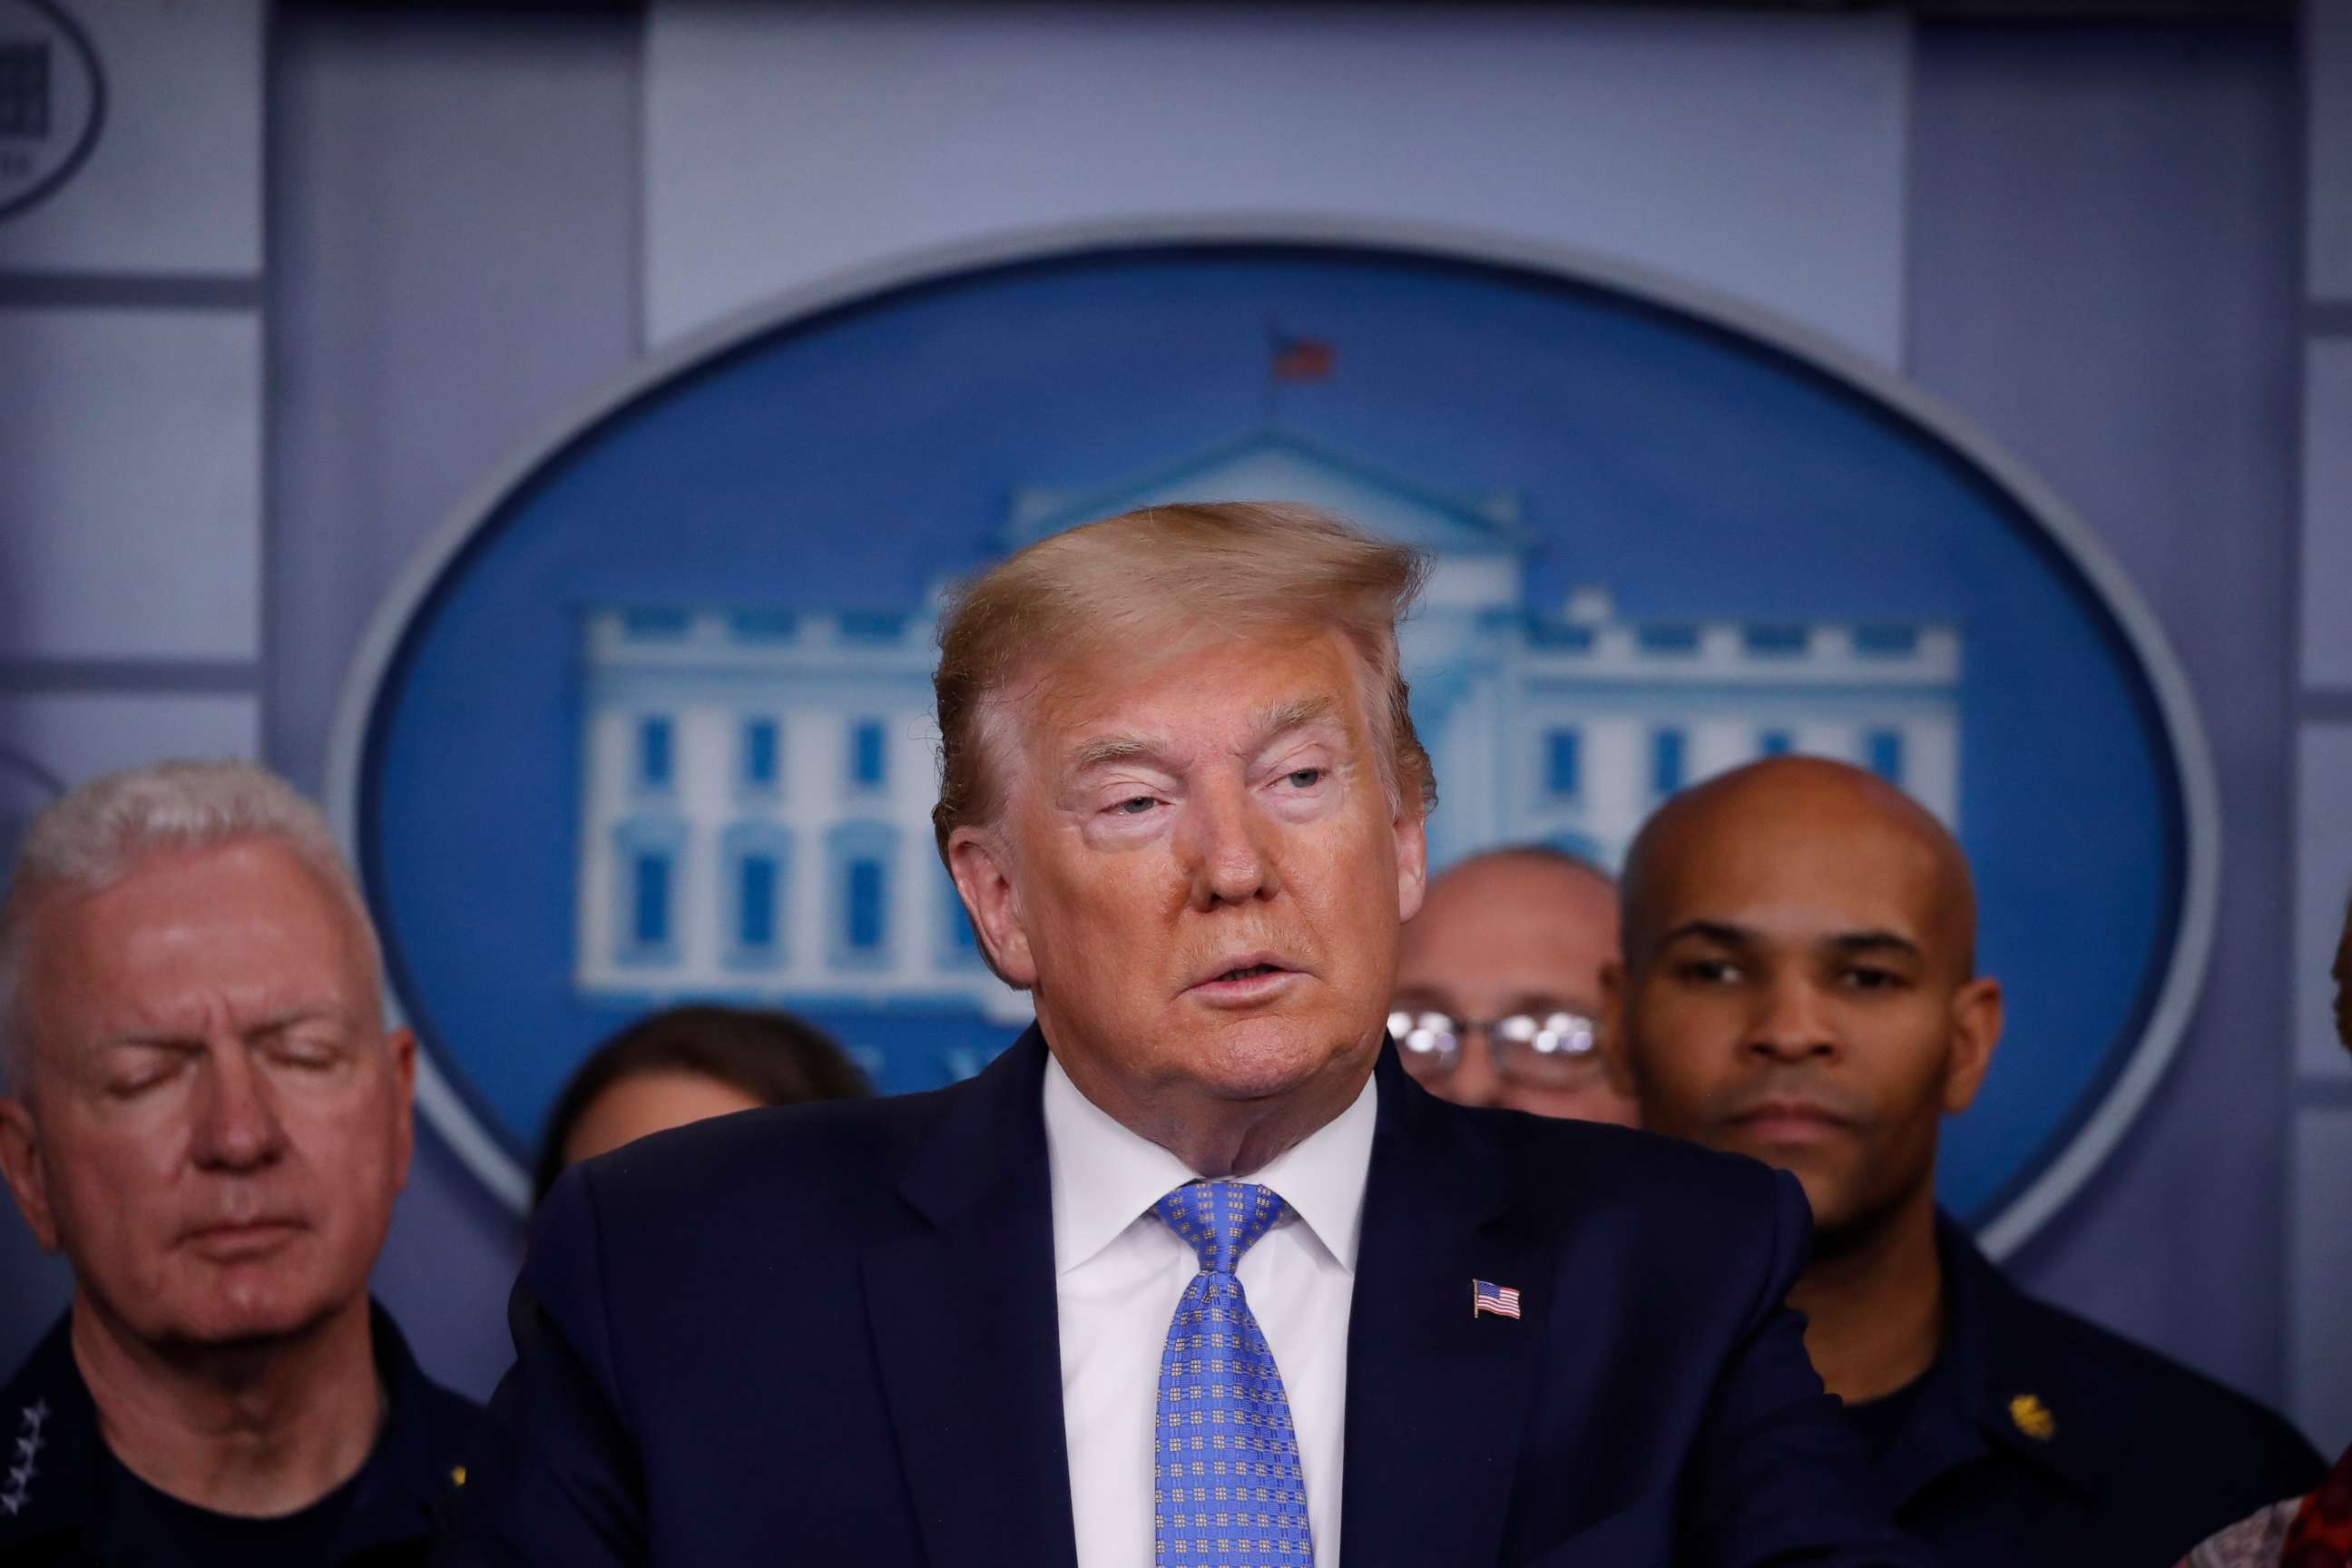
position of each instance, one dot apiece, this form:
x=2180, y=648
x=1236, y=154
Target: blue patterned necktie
x=1227, y=1490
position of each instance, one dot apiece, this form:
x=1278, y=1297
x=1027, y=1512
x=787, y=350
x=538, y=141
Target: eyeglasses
x=1538, y=1050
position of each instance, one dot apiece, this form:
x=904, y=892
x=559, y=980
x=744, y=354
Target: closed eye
x=144, y=1070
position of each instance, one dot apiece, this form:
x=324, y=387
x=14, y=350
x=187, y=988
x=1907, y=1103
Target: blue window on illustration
x=862, y=857
x=757, y=871
x=755, y=903
x=647, y=855
x=1559, y=635
x=868, y=912
x=649, y=908
x=1883, y=753
x=1564, y=763
x=868, y=754
x=1775, y=640
x=655, y=623
x=760, y=753
x=1886, y=642
x=1665, y=761
x=1667, y=638
x=1775, y=743
x=764, y=624
x=655, y=743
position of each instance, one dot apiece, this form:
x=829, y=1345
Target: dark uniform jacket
x=54, y=1459
x=827, y=1334
x=2038, y=1437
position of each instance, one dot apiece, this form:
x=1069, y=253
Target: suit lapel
x=966, y=1327
x=1437, y=1395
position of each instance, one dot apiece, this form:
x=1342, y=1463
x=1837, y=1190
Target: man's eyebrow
x=152, y=1040
x=1717, y=931
x=1272, y=723
x=1856, y=942
x=1269, y=725
x=275, y=1023
x=1105, y=750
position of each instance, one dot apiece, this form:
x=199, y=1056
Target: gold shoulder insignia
x=2032, y=1417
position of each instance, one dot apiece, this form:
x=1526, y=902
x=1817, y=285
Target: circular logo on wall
x=651, y=721
x=52, y=101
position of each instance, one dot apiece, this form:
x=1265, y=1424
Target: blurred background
x=284, y=288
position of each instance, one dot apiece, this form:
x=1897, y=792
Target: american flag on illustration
x=1503, y=1301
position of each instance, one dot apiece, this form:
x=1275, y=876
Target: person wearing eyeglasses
x=1800, y=985
x=1498, y=983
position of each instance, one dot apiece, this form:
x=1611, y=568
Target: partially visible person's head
x=1498, y=985
x=204, y=1110
x=1182, y=800
x=1798, y=983
x=682, y=1065
x=2342, y=972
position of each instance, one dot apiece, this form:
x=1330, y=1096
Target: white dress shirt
x=1119, y=1271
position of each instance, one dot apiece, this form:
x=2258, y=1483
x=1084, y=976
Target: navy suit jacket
x=827, y=1335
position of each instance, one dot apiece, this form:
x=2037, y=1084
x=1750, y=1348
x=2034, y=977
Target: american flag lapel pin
x=1503, y=1301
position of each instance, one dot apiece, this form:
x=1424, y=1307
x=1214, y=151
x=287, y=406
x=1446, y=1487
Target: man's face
x=1801, y=998
x=1507, y=935
x=1200, y=874
x=214, y=1123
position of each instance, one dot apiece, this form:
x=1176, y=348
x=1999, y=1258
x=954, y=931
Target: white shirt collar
x=1105, y=1176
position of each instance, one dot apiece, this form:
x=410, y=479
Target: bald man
x=1498, y=986
x=1798, y=984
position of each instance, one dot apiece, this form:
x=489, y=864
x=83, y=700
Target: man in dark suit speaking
x=1193, y=1275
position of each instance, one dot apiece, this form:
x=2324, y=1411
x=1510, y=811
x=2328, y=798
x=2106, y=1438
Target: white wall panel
x=2327, y=513
x=76, y=735
x=1762, y=156
x=173, y=182
x=129, y=484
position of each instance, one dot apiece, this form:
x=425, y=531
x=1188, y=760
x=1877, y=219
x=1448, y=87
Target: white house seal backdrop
x=651, y=720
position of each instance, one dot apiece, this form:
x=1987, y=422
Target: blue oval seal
x=650, y=720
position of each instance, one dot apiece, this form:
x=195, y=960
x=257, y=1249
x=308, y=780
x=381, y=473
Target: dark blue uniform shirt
x=2037, y=1437
x=64, y=1499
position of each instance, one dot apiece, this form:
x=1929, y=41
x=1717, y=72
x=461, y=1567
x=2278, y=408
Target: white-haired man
x=205, y=1114
x=1195, y=1275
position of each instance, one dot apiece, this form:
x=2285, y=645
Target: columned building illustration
x=756, y=783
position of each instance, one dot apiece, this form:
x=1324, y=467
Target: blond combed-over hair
x=1158, y=580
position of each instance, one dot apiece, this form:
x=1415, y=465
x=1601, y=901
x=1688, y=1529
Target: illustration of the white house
x=757, y=782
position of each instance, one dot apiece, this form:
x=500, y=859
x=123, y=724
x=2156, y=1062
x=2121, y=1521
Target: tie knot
x=1219, y=1220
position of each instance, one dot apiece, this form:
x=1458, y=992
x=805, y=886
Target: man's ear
x=1975, y=1032
x=20, y=1163
x=1614, y=1054
x=981, y=864
x=402, y=1043
x=1411, y=863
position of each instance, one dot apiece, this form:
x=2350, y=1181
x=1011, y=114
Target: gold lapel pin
x=2030, y=1417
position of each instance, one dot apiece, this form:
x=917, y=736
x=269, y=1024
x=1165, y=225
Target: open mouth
x=1251, y=972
